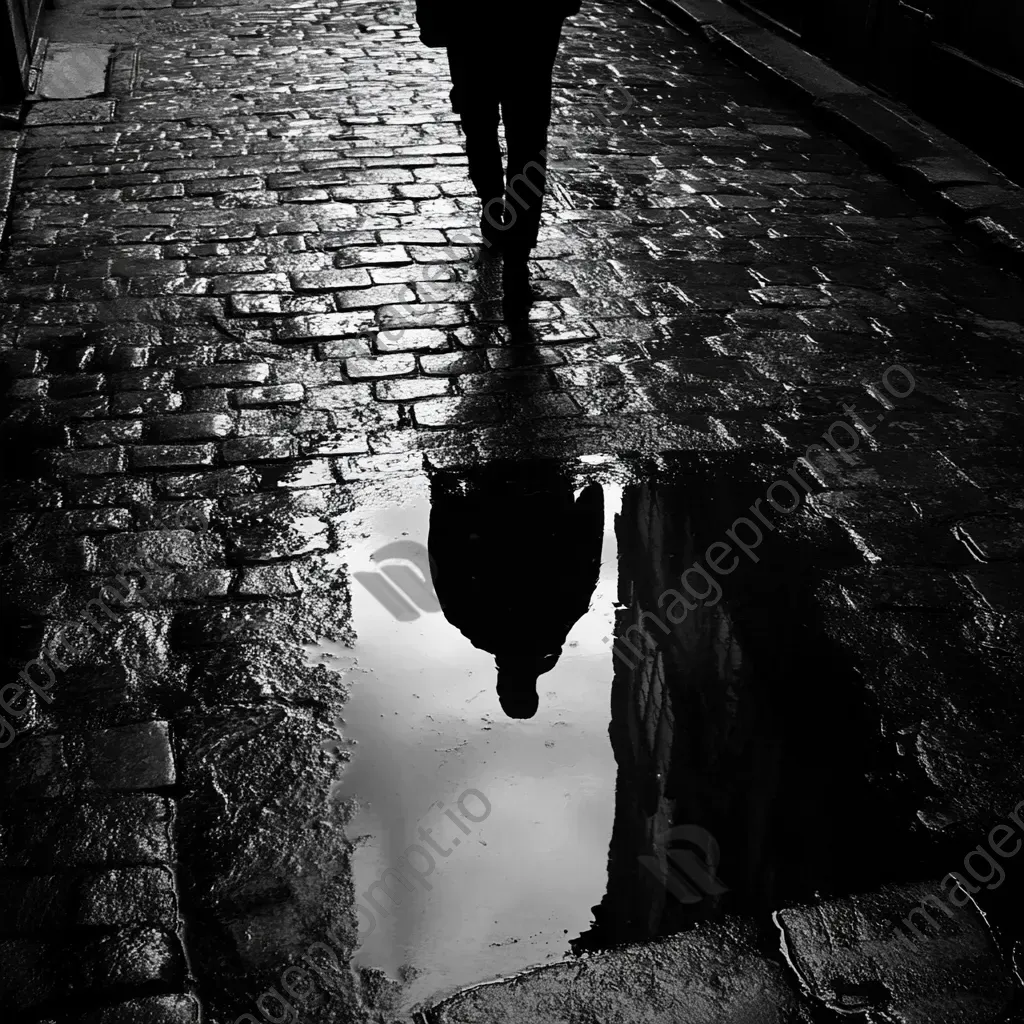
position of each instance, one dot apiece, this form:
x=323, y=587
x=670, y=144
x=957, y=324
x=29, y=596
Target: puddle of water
x=512, y=889
x=723, y=766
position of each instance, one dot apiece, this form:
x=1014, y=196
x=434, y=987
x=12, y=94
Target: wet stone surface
x=250, y=342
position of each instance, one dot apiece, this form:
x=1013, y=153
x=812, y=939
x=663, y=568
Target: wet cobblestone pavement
x=244, y=298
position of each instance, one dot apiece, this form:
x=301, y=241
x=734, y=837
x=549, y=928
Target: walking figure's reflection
x=515, y=558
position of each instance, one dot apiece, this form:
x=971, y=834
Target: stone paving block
x=451, y=363
x=110, y=491
x=234, y=284
x=172, y=1009
x=254, y=304
x=127, y=896
x=273, y=395
x=27, y=390
x=170, y=456
x=229, y=375
x=340, y=444
x=857, y=955
x=295, y=475
x=974, y=198
x=128, y=959
x=328, y=325
x=206, y=400
x=712, y=974
x=343, y=349
x=422, y=339
x=269, y=581
x=31, y=974
x=126, y=758
x=30, y=905
x=269, y=527
x=98, y=521
x=81, y=384
x=512, y=358
x=144, y=403
x=524, y=381
x=130, y=757
x=196, y=586
x=422, y=314
x=378, y=255
x=410, y=273
x=89, y=463
x=412, y=236
x=107, y=433
x=259, y=449
x=198, y=426
x=71, y=112
x=372, y=367
x=176, y=515
x=122, y=829
x=377, y=296
x=446, y=412
x=329, y=280
x=411, y=390
x=165, y=549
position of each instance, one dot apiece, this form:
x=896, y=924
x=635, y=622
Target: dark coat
x=440, y=20
x=515, y=558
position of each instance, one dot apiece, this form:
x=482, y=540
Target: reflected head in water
x=517, y=682
x=515, y=555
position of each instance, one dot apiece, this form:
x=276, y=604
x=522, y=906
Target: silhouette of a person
x=515, y=559
x=501, y=59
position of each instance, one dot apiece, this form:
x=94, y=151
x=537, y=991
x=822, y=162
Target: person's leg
x=475, y=100
x=526, y=109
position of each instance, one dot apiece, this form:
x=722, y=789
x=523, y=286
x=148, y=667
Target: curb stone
x=965, y=188
x=9, y=142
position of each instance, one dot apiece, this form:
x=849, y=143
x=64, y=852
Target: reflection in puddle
x=425, y=714
x=737, y=773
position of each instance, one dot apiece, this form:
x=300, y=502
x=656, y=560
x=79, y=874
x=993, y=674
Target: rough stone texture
x=911, y=149
x=31, y=974
x=127, y=896
x=708, y=976
x=129, y=959
x=247, y=288
x=125, y=758
x=57, y=833
x=177, y=1009
x=849, y=956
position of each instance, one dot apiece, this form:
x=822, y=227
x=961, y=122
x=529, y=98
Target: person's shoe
x=494, y=223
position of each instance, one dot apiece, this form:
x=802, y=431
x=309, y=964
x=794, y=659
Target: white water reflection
x=426, y=720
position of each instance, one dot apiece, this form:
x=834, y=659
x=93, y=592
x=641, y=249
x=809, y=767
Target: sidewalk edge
x=968, y=191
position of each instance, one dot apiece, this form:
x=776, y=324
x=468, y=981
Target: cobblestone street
x=244, y=301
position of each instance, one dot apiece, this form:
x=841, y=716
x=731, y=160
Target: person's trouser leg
x=526, y=110
x=475, y=100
